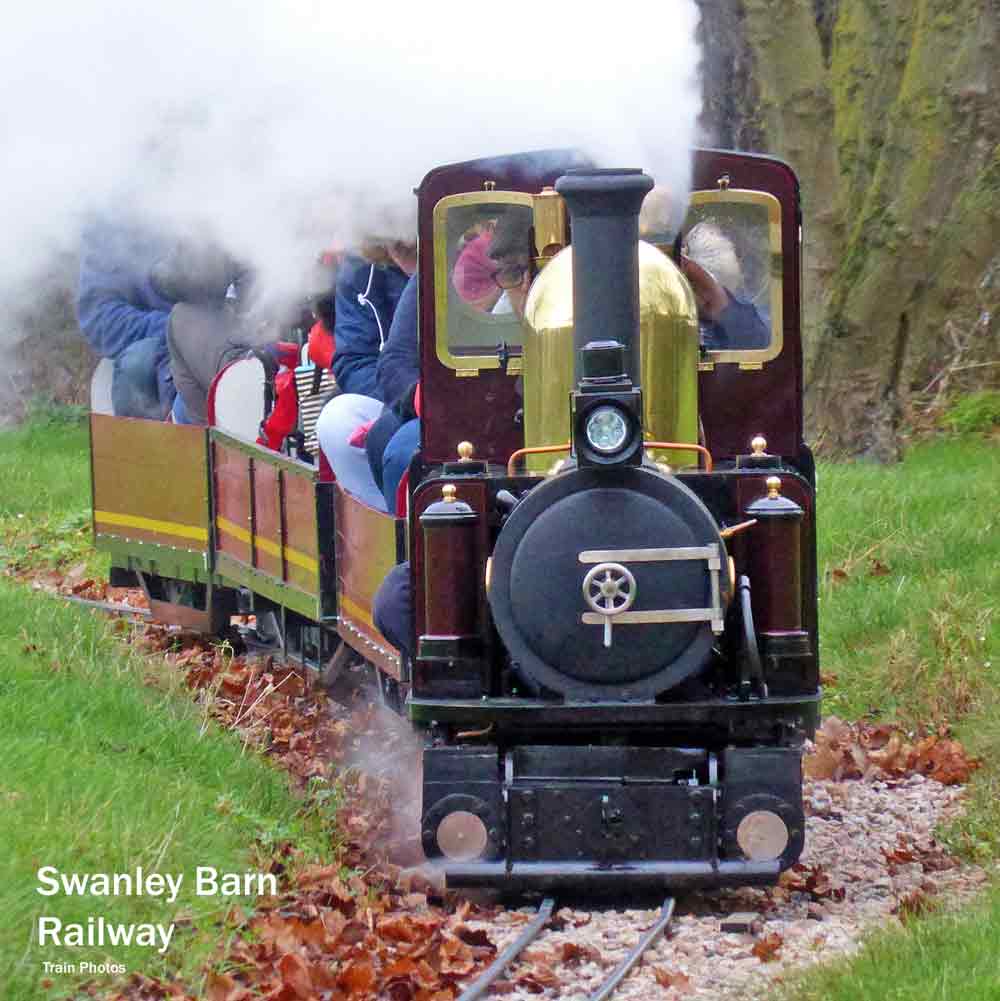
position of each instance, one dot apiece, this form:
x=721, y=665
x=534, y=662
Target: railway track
x=105, y=606
x=481, y=986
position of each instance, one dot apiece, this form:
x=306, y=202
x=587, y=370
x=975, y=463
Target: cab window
x=732, y=240
x=482, y=270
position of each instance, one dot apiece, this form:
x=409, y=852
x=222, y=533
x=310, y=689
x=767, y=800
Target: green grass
x=910, y=605
x=104, y=773
x=45, y=496
x=943, y=957
x=910, y=585
x=109, y=764
x=975, y=412
x=915, y=637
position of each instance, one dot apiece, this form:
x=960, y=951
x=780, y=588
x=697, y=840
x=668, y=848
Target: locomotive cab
x=616, y=661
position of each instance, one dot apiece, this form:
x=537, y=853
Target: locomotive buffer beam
x=479, y=987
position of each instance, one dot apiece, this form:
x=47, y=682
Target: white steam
x=285, y=127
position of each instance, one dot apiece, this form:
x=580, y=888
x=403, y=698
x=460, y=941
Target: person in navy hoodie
x=395, y=435
x=367, y=293
x=367, y=297
x=124, y=316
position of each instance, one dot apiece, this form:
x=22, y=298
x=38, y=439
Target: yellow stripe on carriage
x=355, y=610
x=269, y=547
x=152, y=525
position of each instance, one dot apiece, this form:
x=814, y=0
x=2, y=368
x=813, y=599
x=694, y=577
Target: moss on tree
x=887, y=112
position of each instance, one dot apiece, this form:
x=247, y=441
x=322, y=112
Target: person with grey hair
x=710, y=264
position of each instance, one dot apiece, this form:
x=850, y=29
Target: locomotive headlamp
x=762, y=835
x=607, y=430
x=462, y=836
x=607, y=408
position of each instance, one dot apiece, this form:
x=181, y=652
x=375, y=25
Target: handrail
x=675, y=445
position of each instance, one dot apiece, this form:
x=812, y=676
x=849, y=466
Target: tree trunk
x=887, y=112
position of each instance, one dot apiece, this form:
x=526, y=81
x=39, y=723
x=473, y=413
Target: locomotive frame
x=525, y=787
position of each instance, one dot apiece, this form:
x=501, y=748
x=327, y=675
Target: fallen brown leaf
x=670, y=978
x=358, y=978
x=294, y=972
x=768, y=948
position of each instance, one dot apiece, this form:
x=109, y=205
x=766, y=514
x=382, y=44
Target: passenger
x=472, y=275
x=392, y=609
x=510, y=248
x=363, y=327
x=367, y=294
x=395, y=436
x=711, y=266
x=124, y=316
x=206, y=330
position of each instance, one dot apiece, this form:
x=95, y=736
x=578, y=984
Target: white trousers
x=339, y=419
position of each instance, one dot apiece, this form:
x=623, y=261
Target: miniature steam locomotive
x=614, y=593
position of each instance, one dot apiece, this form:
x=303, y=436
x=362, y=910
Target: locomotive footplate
x=593, y=818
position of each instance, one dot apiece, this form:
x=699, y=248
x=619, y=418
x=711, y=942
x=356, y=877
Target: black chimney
x=604, y=221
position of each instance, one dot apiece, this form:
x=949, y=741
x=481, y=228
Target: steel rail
x=103, y=606
x=485, y=980
x=625, y=967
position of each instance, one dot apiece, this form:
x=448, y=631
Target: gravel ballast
x=870, y=855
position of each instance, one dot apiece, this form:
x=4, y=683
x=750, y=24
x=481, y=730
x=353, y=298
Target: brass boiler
x=668, y=344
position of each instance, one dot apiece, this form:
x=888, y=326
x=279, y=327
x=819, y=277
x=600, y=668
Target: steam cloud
x=284, y=127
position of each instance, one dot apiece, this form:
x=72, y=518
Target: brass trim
x=652, y=615
x=728, y=533
x=550, y=225
x=616, y=558
x=534, y=450
x=676, y=446
x=464, y=364
x=649, y=555
x=754, y=358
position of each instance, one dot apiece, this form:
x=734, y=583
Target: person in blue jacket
x=155, y=307
x=367, y=299
x=124, y=316
x=395, y=435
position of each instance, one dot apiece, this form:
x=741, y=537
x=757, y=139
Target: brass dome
x=668, y=337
